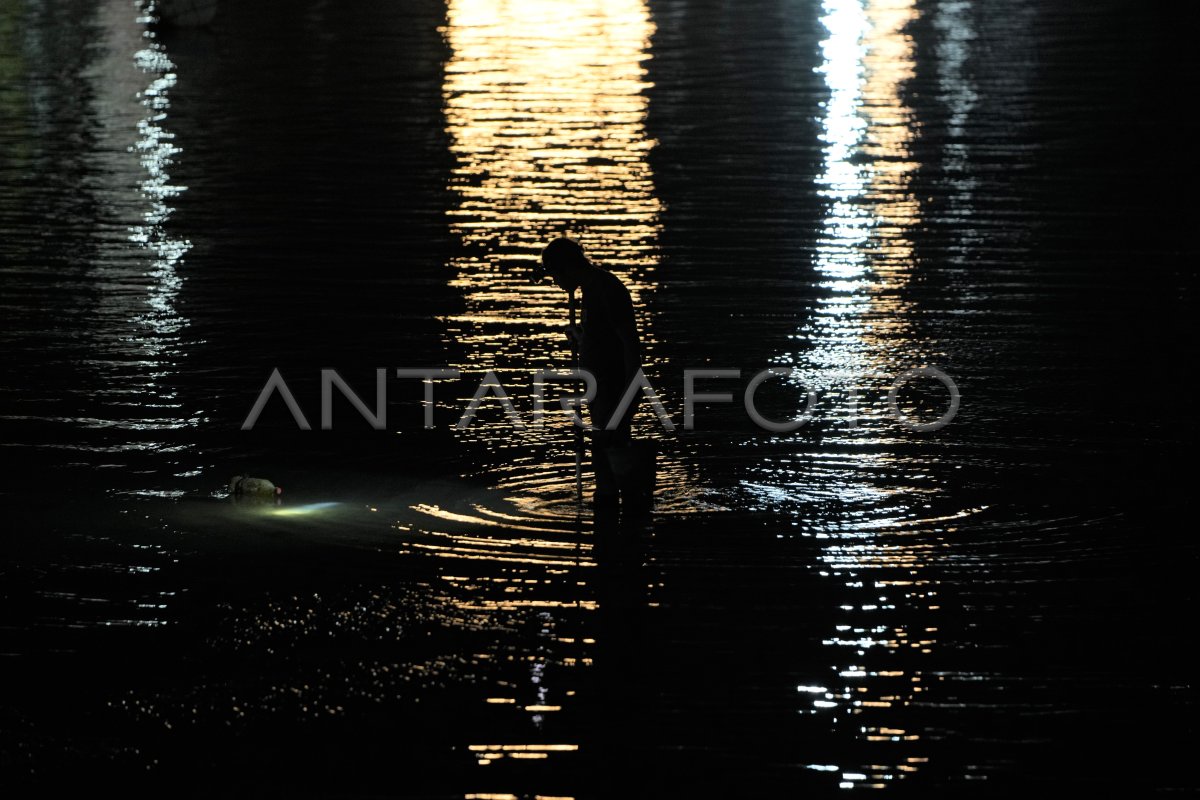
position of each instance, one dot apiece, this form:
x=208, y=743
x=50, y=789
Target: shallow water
x=850, y=189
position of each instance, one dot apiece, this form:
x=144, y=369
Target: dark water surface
x=851, y=188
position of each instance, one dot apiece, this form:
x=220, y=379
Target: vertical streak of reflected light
x=156, y=150
x=864, y=260
x=864, y=256
x=957, y=92
x=137, y=285
x=545, y=106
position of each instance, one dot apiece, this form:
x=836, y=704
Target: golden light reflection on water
x=545, y=109
x=545, y=106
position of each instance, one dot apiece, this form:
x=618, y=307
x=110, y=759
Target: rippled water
x=847, y=189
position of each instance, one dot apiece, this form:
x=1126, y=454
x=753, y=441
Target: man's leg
x=632, y=465
x=611, y=448
x=602, y=439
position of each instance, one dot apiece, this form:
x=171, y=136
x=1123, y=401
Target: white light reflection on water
x=865, y=256
x=956, y=91
x=133, y=324
x=136, y=274
x=862, y=499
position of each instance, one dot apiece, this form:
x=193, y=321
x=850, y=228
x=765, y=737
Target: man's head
x=563, y=260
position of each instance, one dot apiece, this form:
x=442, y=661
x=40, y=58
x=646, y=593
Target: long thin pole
x=578, y=430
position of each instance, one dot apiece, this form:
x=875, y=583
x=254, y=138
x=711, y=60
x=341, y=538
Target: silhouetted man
x=609, y=348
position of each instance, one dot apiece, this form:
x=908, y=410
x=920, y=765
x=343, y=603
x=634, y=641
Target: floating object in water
x=245, y=489
x=186, y=13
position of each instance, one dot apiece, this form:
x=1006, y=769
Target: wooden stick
x=578, y=429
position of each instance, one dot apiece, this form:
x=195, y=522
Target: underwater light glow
x=304, y=510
